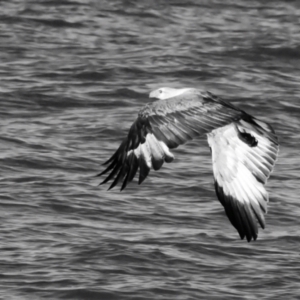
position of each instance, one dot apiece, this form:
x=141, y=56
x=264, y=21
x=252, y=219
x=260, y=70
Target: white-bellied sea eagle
x=244, y=150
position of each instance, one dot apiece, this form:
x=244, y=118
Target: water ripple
x=74, y=75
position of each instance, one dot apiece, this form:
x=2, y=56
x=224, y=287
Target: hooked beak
x=153, y=94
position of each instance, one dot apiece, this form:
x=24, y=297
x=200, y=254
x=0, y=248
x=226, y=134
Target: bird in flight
x=243, y=148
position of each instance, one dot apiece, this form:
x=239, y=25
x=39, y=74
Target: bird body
x=244, y=150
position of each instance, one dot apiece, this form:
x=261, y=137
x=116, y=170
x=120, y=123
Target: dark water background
x=73, y=75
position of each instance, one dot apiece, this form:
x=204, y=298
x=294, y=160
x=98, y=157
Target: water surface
x=74, y=75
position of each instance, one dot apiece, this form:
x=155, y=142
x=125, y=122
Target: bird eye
x=160, y=91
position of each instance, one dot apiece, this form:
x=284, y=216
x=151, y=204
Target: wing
x=163, y=125
x=243, y=155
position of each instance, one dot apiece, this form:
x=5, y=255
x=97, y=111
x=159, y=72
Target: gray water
x=74, y=75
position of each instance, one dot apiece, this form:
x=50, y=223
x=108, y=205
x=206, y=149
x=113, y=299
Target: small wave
x=56, y=23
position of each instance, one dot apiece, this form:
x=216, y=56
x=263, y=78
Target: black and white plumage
x=244, y=150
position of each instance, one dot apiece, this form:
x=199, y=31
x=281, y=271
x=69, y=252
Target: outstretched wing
x=243, y=155
x=163, y=125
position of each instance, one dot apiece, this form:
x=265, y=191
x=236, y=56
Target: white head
x=166, y=92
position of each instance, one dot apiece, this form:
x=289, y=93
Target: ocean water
x=73, y=76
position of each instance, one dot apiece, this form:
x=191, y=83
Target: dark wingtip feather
x=240, y=215
x=117, y=153
x=116, y=180
x=130, y=166
x=112, y=158
x=111, y=186
x=107, y=162
x=144, y=171
x=100, y=183
x=106, y=170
